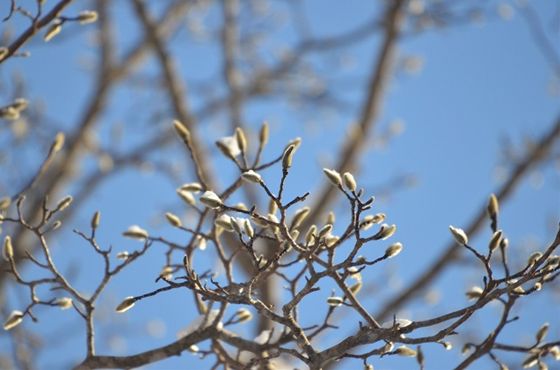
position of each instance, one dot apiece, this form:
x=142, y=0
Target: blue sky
x=480, y=83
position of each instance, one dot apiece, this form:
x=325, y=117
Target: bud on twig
x=95, y=220
x=126, y=304
x=459, y=235
x=333, y=176
x=241, y=139
x=288, y=156
x=8, y=250
x=136, y=232
x=174, y=220
x=15, y=318
x=211, y=200
x=349, y=181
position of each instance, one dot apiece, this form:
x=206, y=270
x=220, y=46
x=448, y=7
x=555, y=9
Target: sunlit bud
x=388, y=347
x=310, y=234
x=349, y=181
x=64, y=303
x=194, y=348
x=371, y=220
x=386, y=231
x=466, y=348
x=295, y=142
x=260, y=220
x=552, y=263
x=237, y=224
x=228, y=146
x=241, y=206
x=495, y=241
x=173, y=220
x=194, y=187
x=542, y=365
x=273, y=218
x=288, y=156
x=52, y=31
x=493, y=207
x=251, y=176
x=263, y=134
x=393, y=250
x=87, y=16
x=331, y=218
x=200, y=242
x=538, y=286
x=126, y=304
x=136, y=232
x=225, y=222
x=166, y=273
x=533, y=258
x=504, y=243
x=356, y=287
x=272, y=207
x=325, y=230
x=8, y=250
x=542, y=332
x=3, y=52
x=248, y=228
x=182, y=131
x=262, y=261
x=530, y=361
x=15, y=318
x=333, y=176
x=355, y=273
x=187, y=196
x=299, y=216
x=459, y=235
x=64, y=203
x=294, y=234
x=95, y=220
x=210, y=199
x=243, y=315
x=123, y=255
x=9, y=113
x=474, y=293
x=405, y=351
x=5, y=203
x=331, y=240
x=447, y=345
x=57, y=224
x=555, y=352
x=335, y=301
x=58, y=142
x=241, y=139
x=368, y=367
x=519, y=289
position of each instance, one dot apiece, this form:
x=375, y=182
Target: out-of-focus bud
x=299, y=216
x=241, y=139
x=405, y=351
x=474, y=293
x=263, y=134
x=8, y=250
x=87, y=16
